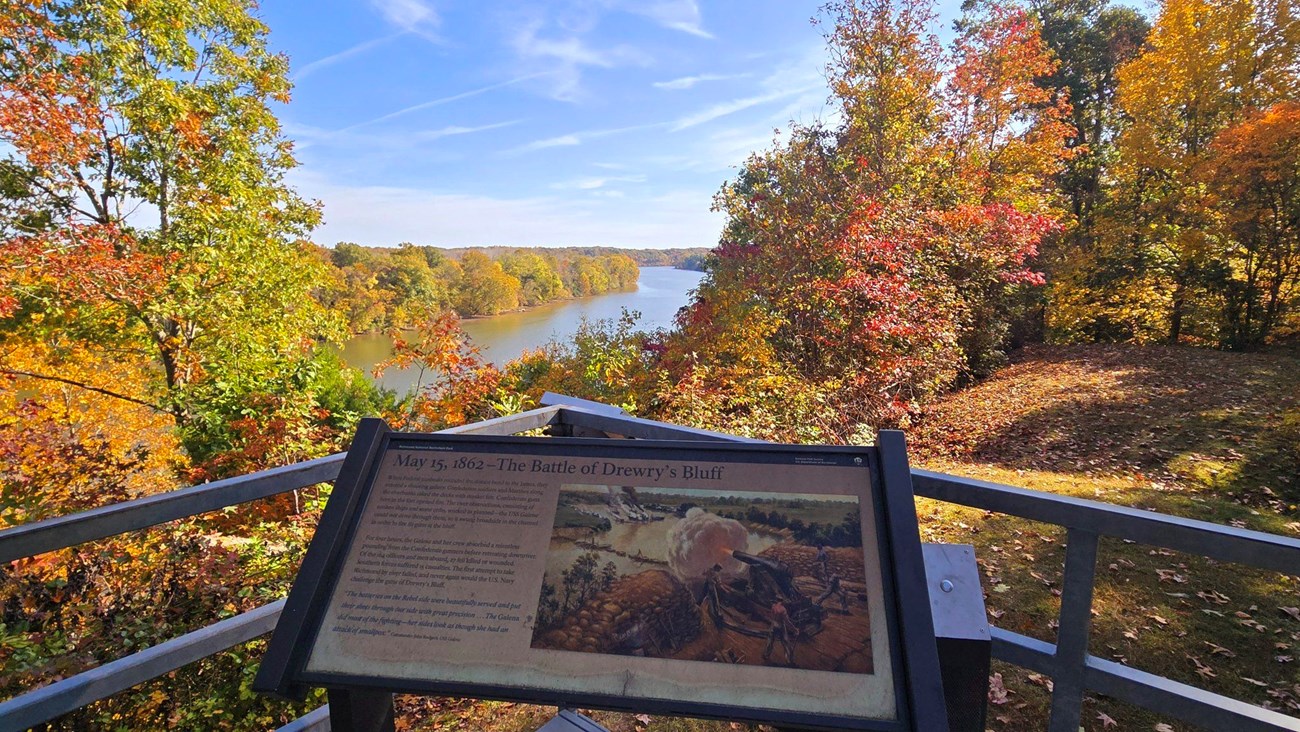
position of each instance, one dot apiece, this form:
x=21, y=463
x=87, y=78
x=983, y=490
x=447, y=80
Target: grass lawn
x=1189, y=432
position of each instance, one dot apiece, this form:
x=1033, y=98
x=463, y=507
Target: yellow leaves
x=69, y=447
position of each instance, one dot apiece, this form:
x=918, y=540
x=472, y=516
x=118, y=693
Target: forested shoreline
x=383, y=289
x=1059, y=172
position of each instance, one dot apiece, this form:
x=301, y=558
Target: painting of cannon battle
x=769, y=579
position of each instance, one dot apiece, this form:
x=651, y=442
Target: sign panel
x=744, y=581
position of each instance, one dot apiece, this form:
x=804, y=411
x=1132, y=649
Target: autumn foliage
x=883, y=255
x=1060, y=170
x=1171, y=258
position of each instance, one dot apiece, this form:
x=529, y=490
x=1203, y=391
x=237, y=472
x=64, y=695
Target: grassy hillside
x=1195, y=433
x=1190, y=432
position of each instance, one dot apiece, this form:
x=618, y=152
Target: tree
x=1253, y=172
x=538, y=280
x=885, y=71
x=1009, y=139
x=454, y=385
x=68, y=447
x=161, y=109
x=1091, y=39
x=485, y=288
x=1161, y=271
x=877, y=260
x=154, y=293
x=406, y=274
x=347, y=254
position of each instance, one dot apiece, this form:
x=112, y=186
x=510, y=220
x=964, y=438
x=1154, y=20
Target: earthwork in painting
x=769, y=579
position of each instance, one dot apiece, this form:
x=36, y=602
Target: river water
x=660, y=292
x=648, y=540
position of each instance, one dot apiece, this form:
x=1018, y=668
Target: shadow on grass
x=1224, y=423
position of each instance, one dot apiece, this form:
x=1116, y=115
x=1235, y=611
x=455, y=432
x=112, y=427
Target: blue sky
x=574, y=122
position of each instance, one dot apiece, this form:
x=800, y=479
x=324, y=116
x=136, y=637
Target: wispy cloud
x=444, y=100
x=726, y=108
x=397, y=146
x=686, y=82
x=412, y=16
x=593, y=182
x=576, y=138
x=561, y=141
x=567, y=55
x=454, y=130
x=318, y=64
x=678, y=15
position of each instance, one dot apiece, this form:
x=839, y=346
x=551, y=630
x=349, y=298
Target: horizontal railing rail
x=1256, y=548
x=1073, y=670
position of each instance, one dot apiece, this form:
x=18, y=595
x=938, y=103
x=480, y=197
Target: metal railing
x=1073, y=670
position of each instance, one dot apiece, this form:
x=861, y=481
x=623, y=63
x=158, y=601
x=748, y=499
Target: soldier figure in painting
x=781, y=630
x=833, y=587
x=711, y=579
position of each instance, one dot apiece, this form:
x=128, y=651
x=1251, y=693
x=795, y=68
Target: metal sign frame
x=917, y=683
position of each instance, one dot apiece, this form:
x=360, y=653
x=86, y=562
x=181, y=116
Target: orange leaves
x=48, y=108
x=276, y=431
x=1253, y=172
x=1264, y=142
x=1008, y=134
x=93, y=264
x=65, y=448
x=454, y=382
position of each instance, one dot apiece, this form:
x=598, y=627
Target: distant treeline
x=378, y=288
x=691, y=258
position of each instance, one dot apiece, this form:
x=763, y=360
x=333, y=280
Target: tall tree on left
x=143, y=207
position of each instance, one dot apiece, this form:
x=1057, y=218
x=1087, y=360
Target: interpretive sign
x=760, y=582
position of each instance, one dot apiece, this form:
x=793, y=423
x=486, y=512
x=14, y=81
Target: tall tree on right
x=1253, y=174
x=1091, y=40
x=1163, y=264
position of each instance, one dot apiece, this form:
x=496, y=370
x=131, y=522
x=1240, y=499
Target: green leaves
x=164, y=112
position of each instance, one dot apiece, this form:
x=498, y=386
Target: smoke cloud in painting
x=703, y=539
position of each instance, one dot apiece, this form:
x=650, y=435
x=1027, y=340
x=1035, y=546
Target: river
x=660, y=292
x=629, y=540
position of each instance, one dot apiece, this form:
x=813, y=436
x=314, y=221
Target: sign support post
x=361, y=710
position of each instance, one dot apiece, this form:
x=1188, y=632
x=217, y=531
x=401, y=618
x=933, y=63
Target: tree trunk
x=1176, y=315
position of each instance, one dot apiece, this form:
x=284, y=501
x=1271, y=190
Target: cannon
x=770, y=569
x=771, y=580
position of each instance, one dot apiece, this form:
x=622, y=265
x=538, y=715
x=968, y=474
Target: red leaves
x=49, y=111
x=88, y=263
x=994, y=238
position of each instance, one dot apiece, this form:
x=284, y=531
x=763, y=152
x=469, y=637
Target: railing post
x=1074, y=622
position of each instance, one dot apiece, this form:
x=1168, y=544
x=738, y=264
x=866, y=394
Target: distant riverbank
x=660, y=293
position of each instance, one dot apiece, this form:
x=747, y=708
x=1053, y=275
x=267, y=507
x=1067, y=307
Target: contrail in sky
x=444, y=100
